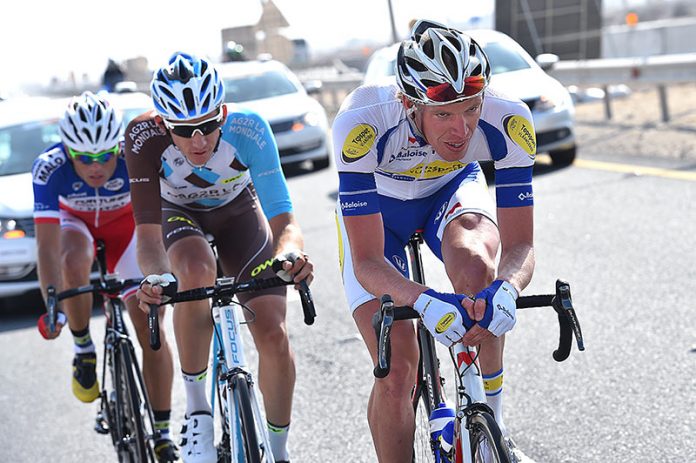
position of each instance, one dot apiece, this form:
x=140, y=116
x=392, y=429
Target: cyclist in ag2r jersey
x=202, y=167
x=82, y=194
x=407, y=157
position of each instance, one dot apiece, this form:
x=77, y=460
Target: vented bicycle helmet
x=440, y=65
x=90, y=124
x=187, y=88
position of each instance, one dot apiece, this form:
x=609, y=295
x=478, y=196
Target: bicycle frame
x=229, y=349
x=229, y=362
x=468, y=377
x=128, y=394
x=471, y=405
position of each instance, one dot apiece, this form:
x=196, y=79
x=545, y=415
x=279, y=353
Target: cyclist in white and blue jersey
x=407, y=157
x=82, y=194
x=199, y=166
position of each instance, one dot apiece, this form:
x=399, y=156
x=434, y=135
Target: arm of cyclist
x=48, y=260
x=443, y=314
x=288, y=245
x=153, y=262
x=495, y=307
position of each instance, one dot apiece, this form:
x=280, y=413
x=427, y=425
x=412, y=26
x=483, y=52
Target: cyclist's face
x=449, y=128
x=199, y=148
x=95, y=174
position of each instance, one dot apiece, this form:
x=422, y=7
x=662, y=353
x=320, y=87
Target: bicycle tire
x=423, y=402
x=222, y=391
x=242, y=396
x=422, y=446
x=487, y=443
x=136, y=439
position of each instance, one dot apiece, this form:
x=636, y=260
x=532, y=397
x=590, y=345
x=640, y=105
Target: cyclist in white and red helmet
x=82, y=194
x=407, y=158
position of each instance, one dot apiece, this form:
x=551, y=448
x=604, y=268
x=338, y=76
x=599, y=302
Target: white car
x=299, y=123
x=28, y=126
x=515, y=73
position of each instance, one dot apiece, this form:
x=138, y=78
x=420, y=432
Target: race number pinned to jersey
x=358, y=142
x=521, y=132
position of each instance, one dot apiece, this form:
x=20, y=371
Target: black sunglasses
x=188, y=129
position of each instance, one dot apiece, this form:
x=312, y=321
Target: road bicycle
x=244, y=434
x=124, y=407
x=477, y=437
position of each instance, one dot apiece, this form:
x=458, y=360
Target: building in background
x=263, y=38
x=570, y=29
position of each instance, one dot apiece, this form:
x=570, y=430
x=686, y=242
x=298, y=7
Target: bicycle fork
x=228, y=326
x=470, y=395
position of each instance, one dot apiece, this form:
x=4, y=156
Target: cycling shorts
x=467, y=193
x=242, y=235
x=119, y=240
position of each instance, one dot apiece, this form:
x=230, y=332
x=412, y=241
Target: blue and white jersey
x=378, y=151
x=246, y=153
x=57, y=186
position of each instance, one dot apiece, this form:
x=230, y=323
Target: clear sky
x=44, y=38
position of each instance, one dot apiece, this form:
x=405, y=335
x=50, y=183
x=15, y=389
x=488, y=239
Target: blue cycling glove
x=501, y=306
x=443, y=315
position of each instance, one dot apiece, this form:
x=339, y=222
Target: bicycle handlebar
x=110, y=287
x=561, y=302
x=227, y=287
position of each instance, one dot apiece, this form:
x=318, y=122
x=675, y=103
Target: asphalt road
x=623, y=237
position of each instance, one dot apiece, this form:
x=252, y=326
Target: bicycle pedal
x=101, y=427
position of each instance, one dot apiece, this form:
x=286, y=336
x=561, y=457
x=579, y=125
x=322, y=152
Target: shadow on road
x=20, y=312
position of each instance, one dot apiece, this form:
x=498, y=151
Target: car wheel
x=322, y=163
x=560, y=158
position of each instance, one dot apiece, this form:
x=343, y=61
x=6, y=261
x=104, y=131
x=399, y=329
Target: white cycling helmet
x=90, y=124
x=187, y=88
x=440, y=65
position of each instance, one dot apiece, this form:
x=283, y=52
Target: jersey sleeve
x=145, y=142
x=512, y=143
x=355, y=154
x=46, y=180
x=256, y=147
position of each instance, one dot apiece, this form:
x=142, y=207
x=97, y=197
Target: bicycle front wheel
x=487, y=443
x=134, y=438
x=422, y=446
x=248, y=426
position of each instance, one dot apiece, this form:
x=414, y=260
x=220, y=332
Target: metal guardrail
x=659, y=70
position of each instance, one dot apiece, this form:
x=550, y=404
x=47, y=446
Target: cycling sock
x=493, y=384
x=83, y=341
x=194, y=384
x=278, y=437
x=162, y=423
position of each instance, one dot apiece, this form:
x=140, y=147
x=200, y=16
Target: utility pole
x=395, y=38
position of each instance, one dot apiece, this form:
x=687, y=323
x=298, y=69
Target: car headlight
x=312, y=118
x=10, y=229
x=551, y=100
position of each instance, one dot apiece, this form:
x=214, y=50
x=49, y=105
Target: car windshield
x=504, y=58
x=257, y=87
x=20, y=144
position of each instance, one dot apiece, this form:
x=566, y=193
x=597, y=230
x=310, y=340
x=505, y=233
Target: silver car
x=299, y=123
x=515, y=73
x=27, y=127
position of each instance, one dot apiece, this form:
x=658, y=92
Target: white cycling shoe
x=197, y=439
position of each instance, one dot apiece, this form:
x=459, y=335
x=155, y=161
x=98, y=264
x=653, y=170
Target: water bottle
x=441, y=417
x=447, y=438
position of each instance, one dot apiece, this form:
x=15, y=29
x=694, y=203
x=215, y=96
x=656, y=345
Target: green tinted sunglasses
x=89, y=158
